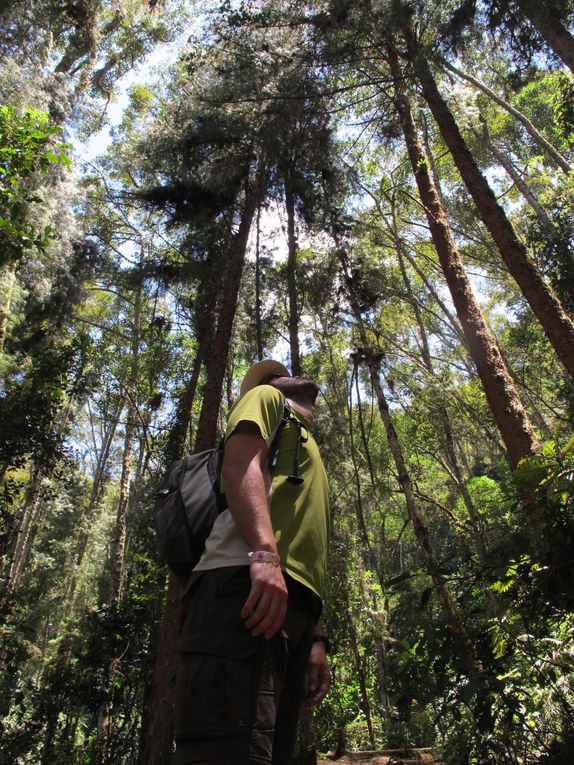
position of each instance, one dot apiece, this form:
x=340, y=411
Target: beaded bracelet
x=264, y=556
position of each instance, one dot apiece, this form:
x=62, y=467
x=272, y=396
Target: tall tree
x=512, y=420
x=557, y=325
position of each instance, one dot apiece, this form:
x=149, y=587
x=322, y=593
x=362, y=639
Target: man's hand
x=265, y=608
x=318, y=676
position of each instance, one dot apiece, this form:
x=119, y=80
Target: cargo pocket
x=216, y=685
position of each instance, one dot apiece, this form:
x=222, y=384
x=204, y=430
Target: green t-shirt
x=299, y=512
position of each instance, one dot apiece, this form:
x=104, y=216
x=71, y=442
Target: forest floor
x=385, y=757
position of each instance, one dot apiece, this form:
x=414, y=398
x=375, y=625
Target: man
x=252, y=648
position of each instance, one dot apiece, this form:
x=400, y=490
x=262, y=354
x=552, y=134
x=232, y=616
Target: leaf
x=568, y=448
x=531, y=471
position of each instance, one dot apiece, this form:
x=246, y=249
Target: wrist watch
x=325, y=640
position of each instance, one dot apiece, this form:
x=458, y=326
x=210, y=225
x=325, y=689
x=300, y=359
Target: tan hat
x=260, y=371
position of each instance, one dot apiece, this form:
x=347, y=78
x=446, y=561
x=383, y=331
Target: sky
x=163, y=55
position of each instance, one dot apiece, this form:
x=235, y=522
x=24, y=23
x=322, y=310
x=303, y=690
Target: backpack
x=189, y=500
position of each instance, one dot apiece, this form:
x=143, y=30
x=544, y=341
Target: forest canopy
x=378, y=193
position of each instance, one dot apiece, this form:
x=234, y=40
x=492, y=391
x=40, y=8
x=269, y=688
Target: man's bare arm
x=246, y=493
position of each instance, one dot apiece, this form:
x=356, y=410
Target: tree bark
x=503, y=400
x=26, y=531
x=7, y=281
x=463, y=641
x=207, y=427
x=95, y=495
x=111, y=669
x=556, y=323
x=551, y=29
x=258, y=328
x=157, y=741
x=292, y=281
x=178, y=435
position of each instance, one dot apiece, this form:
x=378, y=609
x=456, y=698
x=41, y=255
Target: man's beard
x=298, y=389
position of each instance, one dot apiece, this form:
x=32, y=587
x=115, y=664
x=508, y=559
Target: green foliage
x=260, y=95
x=29, y=147
x=563, y=106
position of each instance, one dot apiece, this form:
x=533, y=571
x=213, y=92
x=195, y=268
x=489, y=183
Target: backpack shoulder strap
x=274, y=448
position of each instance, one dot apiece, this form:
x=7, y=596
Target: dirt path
x=386, y=757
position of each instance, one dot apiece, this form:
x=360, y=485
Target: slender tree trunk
x=556, y=323
x=208, y=295
x=121, y=517
x=448, y=439
x=378, y=566
x=118, y=560
x=367, y=553
x=462, y=639
x=95, y=496
x=517, y=179
x=258, y=329
x=207, y=427
x=49, y=735
x=452, y=320
x=501, y=395
x=178, y=435
x=551, y=29
x=26, y=531
x=158, y=737
x=561, y=161
x=292, y=282
x=360, y=667
x=7, y=281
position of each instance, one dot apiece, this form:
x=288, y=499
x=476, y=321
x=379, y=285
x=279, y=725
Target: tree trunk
x=121, y=517
x=258, y=329
x=292, y=282
x=561, y=161
x=95, y=495
x=462, y=639
x=178, y=434
x=205, y=309
x=555, y=322
x=7, y=281
x=448, y=439
x=26, y=531
x=157, y=740
x=501, y=395
x=517, y=179
x=375, y=565
x=360, y=667
x=207, y=427
x=551, y=29
x=118, y=562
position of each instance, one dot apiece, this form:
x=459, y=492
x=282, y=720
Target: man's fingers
x=265, y=608
x=252, y=599
x=268, y=616
x=317, y=698
x=277, y=621
x=261, y=609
